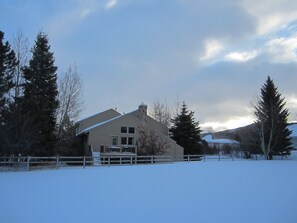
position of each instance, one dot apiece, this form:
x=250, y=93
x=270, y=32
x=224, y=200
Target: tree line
x=37, y=111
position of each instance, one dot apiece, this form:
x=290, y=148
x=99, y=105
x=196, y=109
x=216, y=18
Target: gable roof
x=134, y=115
x=106, y=122
x=100, y=113
x=99, y=124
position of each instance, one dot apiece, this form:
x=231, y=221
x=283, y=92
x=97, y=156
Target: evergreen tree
x=8, y=63
x=186, y=132
x=18, y=131
x=272, y=122
x=40, y=97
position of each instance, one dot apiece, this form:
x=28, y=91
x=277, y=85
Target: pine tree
x=272, y=122
x=186, y=132
x=18, y=131
x=8, y=63
x=40, y=97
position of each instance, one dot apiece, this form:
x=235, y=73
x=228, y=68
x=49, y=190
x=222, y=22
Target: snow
x=209, y=139
x=208, y=192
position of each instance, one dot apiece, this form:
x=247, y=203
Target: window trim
x=132, y=142
x=130, y=128
x=124, y=127
x=126, y=140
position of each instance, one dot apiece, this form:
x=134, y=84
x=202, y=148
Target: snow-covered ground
x=229, y=191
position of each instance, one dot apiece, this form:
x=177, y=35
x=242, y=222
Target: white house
x=110, y=132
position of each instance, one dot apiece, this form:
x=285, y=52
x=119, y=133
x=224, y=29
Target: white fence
x=30, y=163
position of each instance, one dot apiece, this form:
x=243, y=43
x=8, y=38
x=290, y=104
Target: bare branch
x=161, y=113
x=21, y=48
x=149, y=143
x=70, y=98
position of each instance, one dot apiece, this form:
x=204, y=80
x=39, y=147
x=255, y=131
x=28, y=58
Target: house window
x=130, y=140
x=123, y=140
x=114, y=140
x=131, y=130
x=123, y=129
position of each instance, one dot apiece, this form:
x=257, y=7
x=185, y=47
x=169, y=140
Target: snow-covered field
x=239, y=191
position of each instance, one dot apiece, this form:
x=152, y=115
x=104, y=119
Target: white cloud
x=271, y=14
x=229, y=124
x=291, y=104
x=212, y=48
x=64, y=21
x=241, y=56
x=110, y=4
x=283, y=50
x=84, y=12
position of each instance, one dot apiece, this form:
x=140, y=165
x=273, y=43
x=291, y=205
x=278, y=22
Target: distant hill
x=247, y=134
x=242, y=131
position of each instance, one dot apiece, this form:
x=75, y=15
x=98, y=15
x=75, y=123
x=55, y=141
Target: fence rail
x=29, y=162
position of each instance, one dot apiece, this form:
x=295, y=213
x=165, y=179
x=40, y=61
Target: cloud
x=212, y=48
x=235, y=122
x=110, y=4
x=283, y=50
x=291, y=104
x=66, y=18
x=157, y=50
x=271, y=14
x=241, y=56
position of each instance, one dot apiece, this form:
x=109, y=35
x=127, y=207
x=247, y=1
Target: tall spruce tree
x=8, y=63
x=272, y=122
x=40, y=97
x=186, y=132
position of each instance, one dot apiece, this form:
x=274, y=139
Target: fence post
x=131, y=160
x=84, y=161
x=136, y=159
x=204, y=157
x=120, y=160
x=28, y=163
x=188, y=158
x=219, y=157
x=108, y=160
x=57, y=161
x=152, y=159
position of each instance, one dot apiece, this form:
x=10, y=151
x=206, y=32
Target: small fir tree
x=272, y=122
x=40, y=97
x=186, y=132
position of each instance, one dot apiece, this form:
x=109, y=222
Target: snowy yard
x=239, y=191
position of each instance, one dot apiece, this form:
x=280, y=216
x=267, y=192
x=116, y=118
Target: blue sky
x=214, y=55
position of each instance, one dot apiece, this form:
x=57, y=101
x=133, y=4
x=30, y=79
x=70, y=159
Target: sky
x=214, y=55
